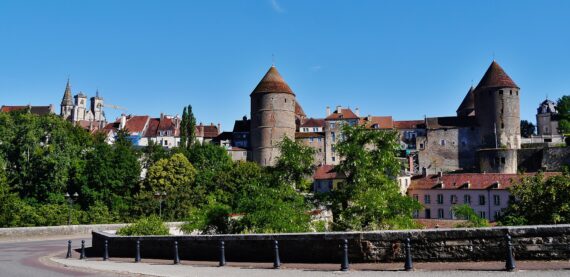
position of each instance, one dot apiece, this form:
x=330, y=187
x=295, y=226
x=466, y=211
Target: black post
x=82, y=256
x=68, y=250
x=222, y=253
x=408, y=266
x=277, y=261
x=176, y=257
x=106, y=251
x=138, y=253
x=344, y=262
x=510, y=265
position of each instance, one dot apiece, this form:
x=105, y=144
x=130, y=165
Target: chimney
x=244, y=118
x=123, y=122
x=357, y=111
x=369, y=118
x=338, y=109
x=219, y=127
x=161, y=116
x=328, y=110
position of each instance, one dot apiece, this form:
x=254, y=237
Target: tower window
x=511, y=92
x=501, y=92
x=502, y=125
x=442, y=142
x=285, y=100
x=517, y=93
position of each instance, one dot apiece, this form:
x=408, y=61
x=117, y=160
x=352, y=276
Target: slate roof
x=467, y=106
x=272, y=82
x=495, y=77
x=450, y=122
x=242, y=126
x=38, y=110
x=471, y=181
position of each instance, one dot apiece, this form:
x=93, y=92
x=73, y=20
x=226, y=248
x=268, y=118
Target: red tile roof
x=314, y=122
x=136, y=123
x=299, y=110
x=475, y=181
x=152, y=128
x=345, y=113
x=377, y=122
x=409, y=124
x=39, y=110
x=272, y=82
x=326, y=172
x=207, y=131
x=495, y=77
x=468, y=104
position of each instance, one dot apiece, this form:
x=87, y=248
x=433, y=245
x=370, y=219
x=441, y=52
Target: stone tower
x=67, y=103
x=497, y=111
x=272, y=117
x=97, y=107
x=80, y=107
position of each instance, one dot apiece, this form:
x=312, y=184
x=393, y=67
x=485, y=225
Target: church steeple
x=67, y=98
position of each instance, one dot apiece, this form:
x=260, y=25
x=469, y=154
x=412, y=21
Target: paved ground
x=46, y=258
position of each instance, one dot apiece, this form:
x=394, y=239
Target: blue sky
x=407, y=59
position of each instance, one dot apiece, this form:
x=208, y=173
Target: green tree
x=191, y=127
x=146, y=226
x=539, y=200
x=370, y=198
x=527, y=129
x=183, y=128
x=563, y=107
x=171, y=173
x=465, y=212
x=295, y=162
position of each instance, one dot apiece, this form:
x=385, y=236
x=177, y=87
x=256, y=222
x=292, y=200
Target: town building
x=37, y=110
x=311, y=133
x=75, y=109
x=547, y=118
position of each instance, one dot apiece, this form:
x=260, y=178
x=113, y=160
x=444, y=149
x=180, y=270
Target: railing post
x=138, y=253
x=68, y=255
x=222, y=253
x=82, y=256
x=344, y=263
x=408, y=266
x=106, y=251
x=276, y=261
x=510, y=265
x=176, y=257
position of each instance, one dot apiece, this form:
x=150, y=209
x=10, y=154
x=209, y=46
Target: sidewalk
x=192, y=268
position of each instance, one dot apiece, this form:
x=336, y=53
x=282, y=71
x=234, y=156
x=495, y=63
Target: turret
x=67, y=103
x=272, y=117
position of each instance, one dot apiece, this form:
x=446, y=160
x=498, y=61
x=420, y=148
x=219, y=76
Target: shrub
x=146, y=226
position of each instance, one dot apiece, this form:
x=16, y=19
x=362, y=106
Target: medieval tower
x=67, y=103
x=497, y=110
x=272, y=117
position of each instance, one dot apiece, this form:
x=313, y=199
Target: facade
x=273, y=106
x=75, y=109
x=311, y=134
x=333, y=131
x=164, y=131
x=326, y=179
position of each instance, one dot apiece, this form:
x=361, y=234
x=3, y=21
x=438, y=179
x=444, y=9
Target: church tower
x=67, y=103
x=272, y=117
x=97, y=107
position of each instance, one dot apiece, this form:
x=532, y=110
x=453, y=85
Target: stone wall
x=530, y=242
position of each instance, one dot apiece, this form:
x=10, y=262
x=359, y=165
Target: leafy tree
x=527, y=129
x=465, y=212
x=563, y=107
x=295, y=162
x=191, y=127
x=146, y=226
x=539, y=200
x=152, y=153
x=370, y=198
x=183, y=128
x=169, y=174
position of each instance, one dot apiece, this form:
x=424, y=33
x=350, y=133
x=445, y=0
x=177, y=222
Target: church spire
x=67, y=99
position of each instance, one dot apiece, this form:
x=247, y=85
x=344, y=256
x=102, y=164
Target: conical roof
x=272, y=82
x=67, y=99
x=496, y=77
x=468, y=103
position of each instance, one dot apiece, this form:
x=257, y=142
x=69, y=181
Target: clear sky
x=401, y=58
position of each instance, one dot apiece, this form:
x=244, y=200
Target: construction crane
x=114, y=107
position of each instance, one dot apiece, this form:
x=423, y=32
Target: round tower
x=272, y=117
x=497, y=109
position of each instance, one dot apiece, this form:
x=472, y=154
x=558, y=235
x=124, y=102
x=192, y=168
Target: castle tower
x=497, y=109
x=80, y=107
x=97, y=107
x=467, y=107
x=272, y=117
x=66, y=109
x=545, y=125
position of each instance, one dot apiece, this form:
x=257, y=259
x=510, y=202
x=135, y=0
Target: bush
x=146, y=226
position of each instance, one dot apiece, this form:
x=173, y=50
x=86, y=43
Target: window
x=501, y=92
x=482, y=214
x=416, y=197
x=421, y=146
x=319, y=139
x=497, y=214
x=427, y=199
x=333, y=135
x=497, y=200
x=442, y=142
x=467, y=199
x=428, y=213
x=416, y=214
x=311, y=140
x=331, y=125
x=440, y=199
x=453, y=199
x=315, y=129
x=333, y=149
x=481, y=200
x=439, y=213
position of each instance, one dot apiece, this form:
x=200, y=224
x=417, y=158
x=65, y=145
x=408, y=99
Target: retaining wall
x=476, y=244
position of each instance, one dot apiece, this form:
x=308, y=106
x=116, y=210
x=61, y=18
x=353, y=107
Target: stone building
x=311, y=133
x=273, y=107
x=547, y=119
x=75, y=109
x=485, y=134
x=333, y=131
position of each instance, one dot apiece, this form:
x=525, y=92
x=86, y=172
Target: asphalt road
x=23, y=259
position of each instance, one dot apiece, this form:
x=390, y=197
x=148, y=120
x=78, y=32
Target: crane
x=113, y=107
